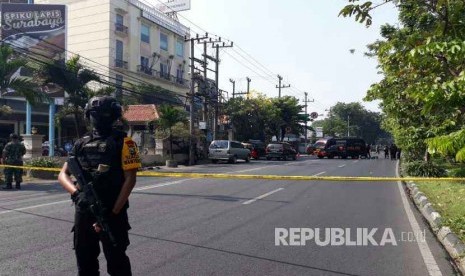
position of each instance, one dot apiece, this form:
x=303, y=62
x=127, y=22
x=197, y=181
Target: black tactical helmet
x=14, y=136
x=103, y=111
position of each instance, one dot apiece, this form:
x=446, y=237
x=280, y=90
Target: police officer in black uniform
x=119, y=154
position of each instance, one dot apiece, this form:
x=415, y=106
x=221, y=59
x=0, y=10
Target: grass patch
x=447, y=198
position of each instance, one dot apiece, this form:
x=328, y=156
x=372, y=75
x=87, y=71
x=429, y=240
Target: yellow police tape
x=264, y=177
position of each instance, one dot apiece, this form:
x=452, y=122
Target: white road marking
x=255, y=169
x=320, y=173
x=356, y=161
x=68, y=201
x=430, y=262
x=35, y=206
x=341, y=166
x=262, y=196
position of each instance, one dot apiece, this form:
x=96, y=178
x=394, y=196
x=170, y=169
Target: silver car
x=228, y=150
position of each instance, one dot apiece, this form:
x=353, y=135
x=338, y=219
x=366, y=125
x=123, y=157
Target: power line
x=110, y=70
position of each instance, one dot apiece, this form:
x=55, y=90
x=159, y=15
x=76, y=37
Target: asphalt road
x=227, y=227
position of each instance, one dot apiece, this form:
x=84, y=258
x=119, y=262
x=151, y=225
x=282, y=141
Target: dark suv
x=280, y=151
x=256, y=147
x=343, y=148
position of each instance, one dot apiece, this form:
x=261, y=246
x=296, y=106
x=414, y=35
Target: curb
x=451, y=242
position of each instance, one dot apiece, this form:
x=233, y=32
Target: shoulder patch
x=130, y=158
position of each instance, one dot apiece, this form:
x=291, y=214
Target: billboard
x=36, y=30
x=174, y=6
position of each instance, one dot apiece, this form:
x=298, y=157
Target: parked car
x=257, y=148
x=310, y=149
x=230, y=151
x=280, y=151
x=342, y=147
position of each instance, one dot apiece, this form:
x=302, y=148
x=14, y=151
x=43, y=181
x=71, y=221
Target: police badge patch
x=130, y=156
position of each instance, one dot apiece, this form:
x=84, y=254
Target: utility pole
x=217, y=69
x=279, y=86
x=234, y=87
x=248, y=86
x=191, y=96
x=306, y=101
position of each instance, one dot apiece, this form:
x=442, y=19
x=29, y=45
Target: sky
x=304, y=41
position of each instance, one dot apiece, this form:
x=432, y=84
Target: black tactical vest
x=92, y=150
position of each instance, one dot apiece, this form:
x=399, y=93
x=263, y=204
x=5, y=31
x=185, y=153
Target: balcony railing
x=146, y=70
x=163, y=76
x=119, y=63
x=120, y=28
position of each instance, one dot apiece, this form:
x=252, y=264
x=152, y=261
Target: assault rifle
x=95, y=205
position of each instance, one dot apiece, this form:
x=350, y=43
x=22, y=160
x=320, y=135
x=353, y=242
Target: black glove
x=79, y=199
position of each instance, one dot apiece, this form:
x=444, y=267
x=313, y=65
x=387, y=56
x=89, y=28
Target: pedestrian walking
x=12, y=154
x=105, y=147
x=393, y=151
x=386, y=152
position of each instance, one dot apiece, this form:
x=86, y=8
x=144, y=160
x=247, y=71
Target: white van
x=227, y=150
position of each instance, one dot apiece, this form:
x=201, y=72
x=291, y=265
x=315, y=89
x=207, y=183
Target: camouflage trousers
x=13, y=172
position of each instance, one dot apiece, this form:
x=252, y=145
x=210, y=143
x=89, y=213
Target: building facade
x=128, y=42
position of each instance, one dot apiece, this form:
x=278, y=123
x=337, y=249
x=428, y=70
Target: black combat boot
x=18, y=185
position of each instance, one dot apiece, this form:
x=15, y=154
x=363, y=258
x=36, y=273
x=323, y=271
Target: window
x=119, y=50
x=144, y=62
x=179, y=75
x=119, y=19
x=163, y=41
x=145, y=33
x=180, y=48
x=120, y=23
x=164, y=71
x=144, y=65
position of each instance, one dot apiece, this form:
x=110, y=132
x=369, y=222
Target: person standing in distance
x=13, y=155
x=104, y=145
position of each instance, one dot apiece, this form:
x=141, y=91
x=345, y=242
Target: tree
x=169, y=117
x=423, y=86
x=289, y=112
x=10, y=80
x=361, y=122
x=74, y=78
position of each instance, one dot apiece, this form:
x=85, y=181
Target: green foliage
x=74, y=78
x=361, y=12
x=44, y=162
x=424, y=169
x=362, y=123
x=169, y=117
x=423, y=86
x=452, y=144
x=261, y=117
x=456, y=172
x=10, y=63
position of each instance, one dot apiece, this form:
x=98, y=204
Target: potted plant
x=43, y=162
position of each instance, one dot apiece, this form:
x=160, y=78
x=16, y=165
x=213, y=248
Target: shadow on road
x=210, y=197
x=245, y=255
